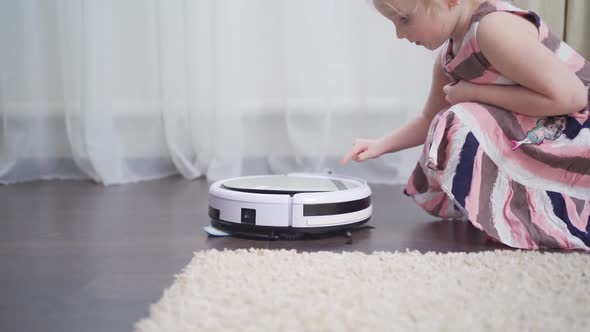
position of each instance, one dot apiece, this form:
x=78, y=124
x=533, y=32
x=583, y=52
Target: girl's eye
x=404, y=20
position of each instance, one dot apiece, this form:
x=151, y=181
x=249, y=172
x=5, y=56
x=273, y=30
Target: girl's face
x=413, y=21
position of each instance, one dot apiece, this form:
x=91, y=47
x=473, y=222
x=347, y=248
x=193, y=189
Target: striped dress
x=524, y=181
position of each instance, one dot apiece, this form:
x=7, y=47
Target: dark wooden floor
x=75, y=256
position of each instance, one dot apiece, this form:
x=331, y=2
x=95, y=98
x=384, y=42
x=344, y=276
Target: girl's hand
x=460, y=92
x=363, y=149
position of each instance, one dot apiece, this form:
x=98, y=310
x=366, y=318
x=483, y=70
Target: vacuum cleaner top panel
x=289, y=184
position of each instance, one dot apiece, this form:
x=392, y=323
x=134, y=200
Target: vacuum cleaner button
x=249, y=216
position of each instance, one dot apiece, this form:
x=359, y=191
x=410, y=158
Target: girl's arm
x=547, y=86
x=414, y=132
x=411, y=134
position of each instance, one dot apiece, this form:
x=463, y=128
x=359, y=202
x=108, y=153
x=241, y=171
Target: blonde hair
x=427, y=4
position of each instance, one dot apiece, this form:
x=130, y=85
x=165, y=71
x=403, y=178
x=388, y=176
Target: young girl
x=506, y=128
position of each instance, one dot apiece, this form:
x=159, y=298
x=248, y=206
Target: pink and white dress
x=524, y=181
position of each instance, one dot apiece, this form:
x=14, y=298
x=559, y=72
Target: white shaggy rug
x=265, y=290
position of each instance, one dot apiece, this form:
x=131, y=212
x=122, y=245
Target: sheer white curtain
x=121, y=91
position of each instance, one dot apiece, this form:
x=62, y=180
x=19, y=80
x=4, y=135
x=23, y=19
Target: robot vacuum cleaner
x=288, y=206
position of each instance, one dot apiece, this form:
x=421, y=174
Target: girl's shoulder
x=497, y=18
x=493, y=14
x=490, y=6
x=503, y=42
x=501, y=26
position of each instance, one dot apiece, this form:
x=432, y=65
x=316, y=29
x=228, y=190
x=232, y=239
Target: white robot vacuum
x=288, y=206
